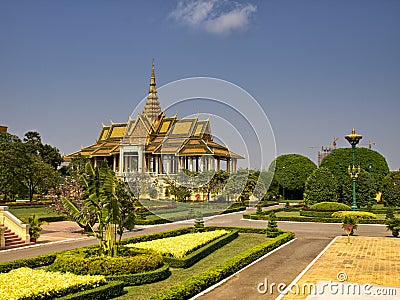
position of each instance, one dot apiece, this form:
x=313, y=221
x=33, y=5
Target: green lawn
x=25, y=211
x=240, y=244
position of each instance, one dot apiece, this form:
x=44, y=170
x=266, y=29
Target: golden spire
x=152, y=79
x=152, y=108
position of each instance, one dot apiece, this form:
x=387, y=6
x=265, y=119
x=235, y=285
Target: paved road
x=280, y=267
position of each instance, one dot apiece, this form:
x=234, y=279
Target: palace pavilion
x=159, y=145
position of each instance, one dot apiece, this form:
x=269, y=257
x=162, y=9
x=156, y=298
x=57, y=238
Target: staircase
x=12, y=240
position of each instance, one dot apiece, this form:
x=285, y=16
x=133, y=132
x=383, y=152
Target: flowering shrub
x=179, y=246
x=355, y=214
x=76, y=262
x=25, y=283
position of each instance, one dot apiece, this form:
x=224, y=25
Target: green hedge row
x=312, y=213
x=240, y=229
x=34, y=262
x=142, y=278
x=253, y=216
x=54, y=219
x=104, y=292
x=268, y=203
x=194, y=285
x=202, y=252
x=233, y=209
x=151, y=222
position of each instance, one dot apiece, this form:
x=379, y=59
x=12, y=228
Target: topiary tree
x=321, y=186
x=199, y=224
x=393, y=224
x=291, y=173
x=391, y=189
x=272, y=229
x=370, y=161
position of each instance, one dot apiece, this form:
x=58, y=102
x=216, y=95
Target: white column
x=168, y=166
x=191, y=164
x=114, y=162
x=156, y=164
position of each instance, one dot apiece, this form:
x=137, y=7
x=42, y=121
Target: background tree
x=70, y=187
x=240, y=185
x=218, y=182
x=37, y=176
x=12, y=157
x=263, y=182
x=140, y=184
x=23, y=170
x=320, y=186
x=291, y=173
x=49, y=154
x=391, y=189
x=365, y=190
x=369, y=160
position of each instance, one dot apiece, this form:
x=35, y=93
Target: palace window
x=131, y=160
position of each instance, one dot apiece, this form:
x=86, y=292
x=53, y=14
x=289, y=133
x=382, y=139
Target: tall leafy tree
x=36, y=175
x=23, y=170
x=391, y=189
x=321, y=186
x=291, y=173
x=369, y=160
x=50, y=155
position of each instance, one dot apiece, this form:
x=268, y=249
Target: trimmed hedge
x=318, y=214
x=104, y=292
x=78, y=262
x=240, y=229
x=268, y=203
x=310, y=219
x=34, y=262
x=143, y=278
x=202, y=252
x=54, y=219
x=330, y=206
x=194, y=285
x=233, y=209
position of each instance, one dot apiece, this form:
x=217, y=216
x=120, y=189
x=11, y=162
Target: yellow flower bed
x=179, y=246
x=26, y=283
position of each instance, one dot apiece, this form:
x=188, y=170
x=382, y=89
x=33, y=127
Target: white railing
x=10, y=221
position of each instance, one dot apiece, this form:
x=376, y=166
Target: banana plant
x=100, y=198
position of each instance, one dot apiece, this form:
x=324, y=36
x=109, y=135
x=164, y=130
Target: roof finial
x=353, y=131
x=152, y=79
x=152, y=108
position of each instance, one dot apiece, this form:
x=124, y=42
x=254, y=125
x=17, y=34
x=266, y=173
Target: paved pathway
x=348, y=271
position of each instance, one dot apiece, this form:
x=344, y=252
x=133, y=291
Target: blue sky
x=317, y=68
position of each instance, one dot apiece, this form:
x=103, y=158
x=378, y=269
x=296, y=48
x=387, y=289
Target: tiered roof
x=107, y=144
x=158, y=133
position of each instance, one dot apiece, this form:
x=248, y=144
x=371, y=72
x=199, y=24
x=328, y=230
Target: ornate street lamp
x=354, y=139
